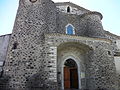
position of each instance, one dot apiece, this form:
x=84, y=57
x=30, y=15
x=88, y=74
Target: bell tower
x=26, y=57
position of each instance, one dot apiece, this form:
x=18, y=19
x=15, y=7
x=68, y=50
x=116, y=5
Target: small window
x=70, y=30
x=15, y=45
x=68, y=9
x=109, y=53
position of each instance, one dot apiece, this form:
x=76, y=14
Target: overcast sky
x=110, y=10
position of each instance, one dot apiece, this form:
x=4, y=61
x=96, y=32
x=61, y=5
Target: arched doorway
x=70, y=74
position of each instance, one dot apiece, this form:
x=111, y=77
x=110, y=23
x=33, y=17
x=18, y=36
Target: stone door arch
x=77, y=67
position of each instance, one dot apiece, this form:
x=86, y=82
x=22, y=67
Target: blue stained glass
x=69, y=30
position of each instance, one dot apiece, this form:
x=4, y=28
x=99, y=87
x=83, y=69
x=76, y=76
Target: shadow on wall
x=33, y=83
x=37, y=83
x=4, y=81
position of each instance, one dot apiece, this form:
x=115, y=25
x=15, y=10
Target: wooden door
x=66, y=78
x=74, y=78
x=70, y=78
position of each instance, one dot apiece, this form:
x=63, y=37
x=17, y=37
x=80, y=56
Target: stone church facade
x=57, y=46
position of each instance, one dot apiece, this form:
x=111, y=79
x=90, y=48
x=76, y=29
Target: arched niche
x=76, y=52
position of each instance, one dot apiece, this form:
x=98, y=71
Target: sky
x=110, y=10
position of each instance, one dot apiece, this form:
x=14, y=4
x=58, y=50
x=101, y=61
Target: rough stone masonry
x=46, y=35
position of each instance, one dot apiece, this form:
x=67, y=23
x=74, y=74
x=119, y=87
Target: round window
x=33, y=1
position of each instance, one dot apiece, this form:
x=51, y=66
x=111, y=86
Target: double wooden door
x=70, y=78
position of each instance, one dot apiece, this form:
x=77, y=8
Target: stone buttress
x=26, y=65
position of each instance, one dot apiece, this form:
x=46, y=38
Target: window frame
x=72, y=27
x=68, y=9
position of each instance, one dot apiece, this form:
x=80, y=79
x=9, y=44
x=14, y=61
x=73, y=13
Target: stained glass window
x=70, y=30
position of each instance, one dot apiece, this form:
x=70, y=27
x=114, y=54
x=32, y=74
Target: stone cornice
x=56, y=35
x=111, y=34
x=91, y=13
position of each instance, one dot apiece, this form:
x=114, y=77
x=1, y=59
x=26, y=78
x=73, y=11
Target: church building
x=58, y=46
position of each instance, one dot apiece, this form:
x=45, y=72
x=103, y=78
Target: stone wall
x=33, y=56
x=118, y=43
x=117, y=64
x=74, y=9
x=91, y=25
x=25, y=64
x=116, y=50
x=4, y=42
x=88, y=24
x=97, y=63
